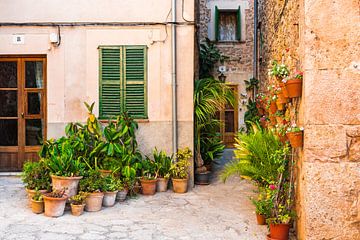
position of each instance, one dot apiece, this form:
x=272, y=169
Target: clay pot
x=162, y=184
x=268, y=237
x=69, y=183
x=148, y=186
x=273, y=107
x=279, y=120
x=295, y=138
x=294, y=87
x=54, y=207
x=261, y=220
x=282, y=138
x=77, y=210
x=284, y=90
x=272, y=120
x=105, y=173
x=263, y=124
x=202, y=178
x=179, y=185
x=94, y=202
x=31, y=193
x=109, y=199
x=279, y=231
x=37, y=206
x=121, y=195
x=280, y=106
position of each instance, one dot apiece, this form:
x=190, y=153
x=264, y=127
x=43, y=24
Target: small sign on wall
x=18, y=39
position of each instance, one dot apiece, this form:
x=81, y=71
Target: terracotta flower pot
x=31, y=193
x=77, y=210
x=282, y=138
x=69, y=183
x=268, y=237
x=294, y=88
x=284, y=90
x=263, y=124
x=94, y=202
x=295, y=138
x=109, y=199
x=279, y=231
x=280, y=106
x=105, y=173
x=162, y=184
x=279, y=120
x=261, y=220
x=179, y=185
x=273, y=107
x=148, y=186
x=121, y=195
x=37, y=206
x=54, y=207
x=281, y=97
x=272, y=120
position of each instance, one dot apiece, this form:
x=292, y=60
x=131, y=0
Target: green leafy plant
x=148, y=169
x=111, y=184
x=294, y=128
x=212, y=146
x=251, y=115
x=37, y=196
x=162, y=163
x=278, y=70
x=251, y=84
x=180, y=168
x=263, y=203
x=92, y=182
x=208, y=57
x=36, y=175
x=79, y=199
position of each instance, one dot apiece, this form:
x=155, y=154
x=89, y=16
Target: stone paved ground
x=217, y=211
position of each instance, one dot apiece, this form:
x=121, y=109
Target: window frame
x=238, y=34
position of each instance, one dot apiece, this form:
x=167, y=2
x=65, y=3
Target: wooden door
x=229, y=120
x=22, y=110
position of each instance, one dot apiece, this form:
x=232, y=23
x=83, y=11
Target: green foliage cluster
x=162, y=163
x=37, y=196
x=79, y=199
x=36, y=175
x=112, y=184
x=209, y=56
x=179, y=169
x=92, y=182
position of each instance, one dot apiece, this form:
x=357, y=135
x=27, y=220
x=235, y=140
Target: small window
x=227, y=25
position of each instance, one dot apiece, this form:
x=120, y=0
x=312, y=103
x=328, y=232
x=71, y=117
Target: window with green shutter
x=123, y=81
x=227, y=24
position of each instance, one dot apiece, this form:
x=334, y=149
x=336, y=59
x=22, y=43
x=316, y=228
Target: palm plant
x=260, y=156
x=210, y=96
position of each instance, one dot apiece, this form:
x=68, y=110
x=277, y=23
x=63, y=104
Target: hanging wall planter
x=294, y=87
x=295, y=138
x=273, y=107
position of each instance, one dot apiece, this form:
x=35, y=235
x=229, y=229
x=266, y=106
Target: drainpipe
x=255, y=66
x=173, y=73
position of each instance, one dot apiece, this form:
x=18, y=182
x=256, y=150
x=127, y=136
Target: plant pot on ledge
x=295, y=138
x=294, y=87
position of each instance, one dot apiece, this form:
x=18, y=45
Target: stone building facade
x=239, y=65
x=321, y=38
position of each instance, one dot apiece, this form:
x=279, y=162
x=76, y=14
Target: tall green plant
x=210, y=96
x=260, y=156
x=209, y=56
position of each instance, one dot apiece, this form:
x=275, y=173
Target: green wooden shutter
x=110, y=75
x=216, y=27
x=238, y=30
x=135, y=81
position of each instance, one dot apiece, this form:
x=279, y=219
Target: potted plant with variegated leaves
x=179, y=170
x=77, y=203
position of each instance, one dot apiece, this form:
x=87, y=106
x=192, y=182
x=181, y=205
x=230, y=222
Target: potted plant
x=148, y=179
x=162, y=172
x=295, y=135
x=294, y=85
x=92, y=184
x=271, y=105
x=279, y=71
x=55, y=203
x=122, y=193
x=279, y=115
x=179, y=170
x=77, y=203
x=35, y=175
x=110, y=189
x=65, y=168
x=37, y=203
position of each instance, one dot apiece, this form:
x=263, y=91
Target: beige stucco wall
x=73, y=67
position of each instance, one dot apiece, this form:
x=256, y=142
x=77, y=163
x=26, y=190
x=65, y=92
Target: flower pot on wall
x=272, y=120
x=148, y=186
x=94, y=202
x=294, y=88
x=280, y=106
x=261, y=220
x=179, y=185
x=273, y=107
x=279, y=231
x=295, y=138
x=69, y=183
x=54, y=207
x=284, y=90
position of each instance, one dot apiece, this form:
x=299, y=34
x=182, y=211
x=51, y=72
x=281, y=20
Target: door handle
x=22, y=115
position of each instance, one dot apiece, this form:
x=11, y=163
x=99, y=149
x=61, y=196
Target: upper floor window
x=227, y=25
x=123, y=81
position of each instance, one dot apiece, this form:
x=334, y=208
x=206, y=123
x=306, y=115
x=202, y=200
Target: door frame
x=21, y=149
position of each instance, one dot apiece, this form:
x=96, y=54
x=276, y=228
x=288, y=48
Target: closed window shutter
x=135, y=81
x=216, y=24
x=110, y=82
x=238, y=30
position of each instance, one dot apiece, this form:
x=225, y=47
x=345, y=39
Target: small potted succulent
x=162, y=172
x=77, y=203
x=55, y=203
x=36, y=175
x=148, y=179
x=294, y=85
x=93, y=184
x=295, y=135
x=37, y=202
x=110, y=189
x=279, y=71
x=179, y=170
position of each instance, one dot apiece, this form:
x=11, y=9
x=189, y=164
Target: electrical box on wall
x=54, y=38
x=18, y=39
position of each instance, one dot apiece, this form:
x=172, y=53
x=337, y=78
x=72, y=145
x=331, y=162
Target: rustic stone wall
x=239, y=64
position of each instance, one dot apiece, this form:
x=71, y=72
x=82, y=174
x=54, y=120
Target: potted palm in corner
x=179, y=170
x=77, y=203
x=162, y=172
x=93, y=184
x=110, y=189
x=55, y=203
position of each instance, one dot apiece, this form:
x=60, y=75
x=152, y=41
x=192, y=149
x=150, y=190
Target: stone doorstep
x=6, y=174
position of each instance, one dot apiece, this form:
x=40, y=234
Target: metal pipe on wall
x=174, y=78
x=255, y=65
